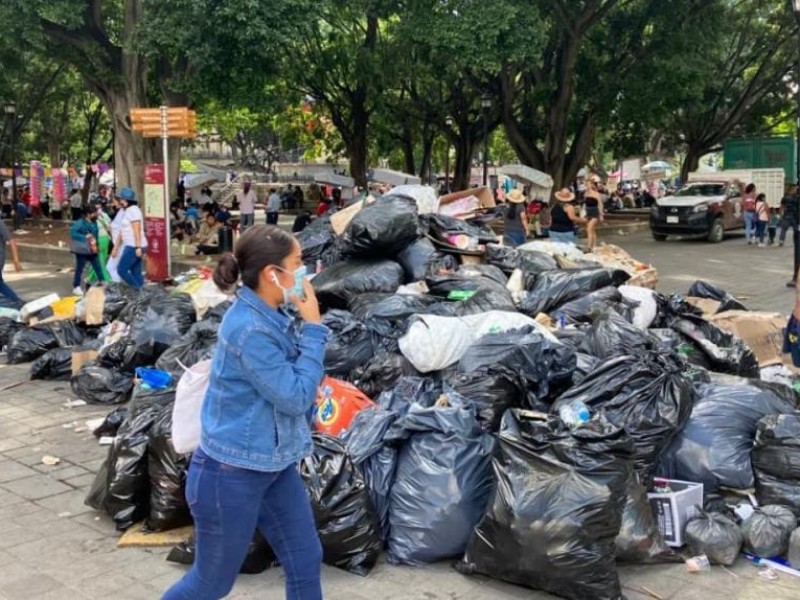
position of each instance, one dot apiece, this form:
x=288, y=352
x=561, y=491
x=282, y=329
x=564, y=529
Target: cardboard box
x=708, y=306
x=81, y=357
x=341, y=219
x=674, y=509
x=761, y=331
x=483, y=194
x=94, y=303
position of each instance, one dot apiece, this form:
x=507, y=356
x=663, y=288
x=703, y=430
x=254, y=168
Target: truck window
x=702, y=189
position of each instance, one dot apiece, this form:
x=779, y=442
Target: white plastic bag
x=189, y=396
x=645, y=313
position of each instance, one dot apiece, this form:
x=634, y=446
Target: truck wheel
x=659, y=237
x=717, y=232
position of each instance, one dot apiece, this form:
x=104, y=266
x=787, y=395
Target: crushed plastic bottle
x=574, y=414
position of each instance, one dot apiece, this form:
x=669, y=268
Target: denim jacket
x=264, y=378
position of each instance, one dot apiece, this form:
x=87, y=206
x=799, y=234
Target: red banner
x=155, y=223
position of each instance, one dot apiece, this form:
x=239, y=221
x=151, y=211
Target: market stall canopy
x=394, y=177
x=20, y=182
x=541, y=183
x=195, y=180
x=657, y=165
x=341, y=181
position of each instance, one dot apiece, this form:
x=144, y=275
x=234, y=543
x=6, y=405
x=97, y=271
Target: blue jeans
x=749, y=225
x=228, y=504
x=247, y=220
x=565, y=237
x=129, y=267
x=81, y=260
x=517, y=238
x=761, y=229
x=6, y=291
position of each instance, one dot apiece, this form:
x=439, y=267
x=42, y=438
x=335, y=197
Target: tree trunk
x=428, y=138
x=407, y=144
x=691, y=162
x=462, y=173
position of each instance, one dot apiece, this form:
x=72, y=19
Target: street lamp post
x=796, y=224
x=486, y=104
x=11, y=113
x=449, y=122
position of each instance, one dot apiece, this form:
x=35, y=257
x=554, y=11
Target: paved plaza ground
x=52, y=546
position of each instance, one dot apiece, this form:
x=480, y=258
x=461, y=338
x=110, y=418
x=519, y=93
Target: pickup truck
x=702, y=208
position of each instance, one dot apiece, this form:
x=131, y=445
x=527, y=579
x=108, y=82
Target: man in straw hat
x=515, y=218
x=564, y=218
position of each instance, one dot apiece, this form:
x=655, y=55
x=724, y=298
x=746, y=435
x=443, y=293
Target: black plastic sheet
x=99, y=385
x=547, y=291
x=383, y=228
x=348, y=527
x=767, y=531
x=646, y=395
x=166, y=470
x=715, y=535
x=776, y=461
x=714, y=446
x=703, y=289
x=556, y=509
x=54, y=365
x=441, y=485
x=350, y=345
x=339, y=284
x=196, y=345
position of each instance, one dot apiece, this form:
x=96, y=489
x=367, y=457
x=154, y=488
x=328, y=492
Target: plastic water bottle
x=574, y=414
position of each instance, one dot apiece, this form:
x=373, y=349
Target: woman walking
x=133, y=240
x=116, y=240
x=515, y=218
x=255, y=423
x=762, y=218
x=594, y=210
x=749, y=208
x=103, y=243
x=83, y=244
x=563, y=218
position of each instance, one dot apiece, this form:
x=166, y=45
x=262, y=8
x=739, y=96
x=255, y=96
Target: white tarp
x=341, y=181
x=394, y=177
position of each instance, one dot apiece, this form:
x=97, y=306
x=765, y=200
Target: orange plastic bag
x=338, y=402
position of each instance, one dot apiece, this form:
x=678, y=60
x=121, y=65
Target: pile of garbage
x=535, y=413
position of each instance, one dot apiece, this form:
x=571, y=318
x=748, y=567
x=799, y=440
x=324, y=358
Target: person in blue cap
x=133, y=241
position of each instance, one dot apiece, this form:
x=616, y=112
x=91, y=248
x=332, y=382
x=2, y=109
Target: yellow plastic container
x=65, y=308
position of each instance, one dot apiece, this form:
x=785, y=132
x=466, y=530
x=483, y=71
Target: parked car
x=706, y=208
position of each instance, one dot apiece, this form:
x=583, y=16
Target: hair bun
x=226, y=273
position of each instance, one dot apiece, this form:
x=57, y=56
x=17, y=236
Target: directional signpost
x=164, y=122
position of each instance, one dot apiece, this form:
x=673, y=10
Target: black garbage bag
x=776, y=461
x=139, y=301
x=725, y=352
x=441, y=485
x=407, y=391
x=315, y=240
x=489, y=272
x=196, y=345
x=640, y=540
x=112, y=423
x=124, y=355
x=767, y=531
x=526, y=357
x=441, y=226
x=383, y=228
x=647, y=395
x=372, y=451
x=382, y=372
x=421, y=258
x=672, y=307
x=348, y=527
x=54, y=365
x=67, y=333
x=167, y=472
x=587, y=308
x=549, y=290
x=703, y=289
x=121, y=487
x=388, y=315
x=714, y=446
x=350, y=345
x=117, y=298
x=162, y=324
x=611, y=335
x=715, y=535
x=491, y=391
x=99, y=385
x=463, y=281
x=586, y=364
x=508, y=259
x=260, y=556
x=216, y=313
x=794, y=549
x=8, y=327
x=556, y=508
x=339, y=284
x=30, y=343
x=484, y=300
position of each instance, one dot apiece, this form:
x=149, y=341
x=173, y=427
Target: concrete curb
x=62, y=257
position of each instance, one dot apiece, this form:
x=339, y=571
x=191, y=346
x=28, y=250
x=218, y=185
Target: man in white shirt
x=273, y=207
x=76, y=205
x=246, y=197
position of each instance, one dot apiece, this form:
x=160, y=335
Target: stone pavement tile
x=6, y=558
x=106, y=584
x=32, y=586
x=664, y=580
x=71, y=502
x=130, y=562
x=19, y=537
x=10, y=443
x=96, y=521
x=138, y=591
x=67, y=471
x=81, y=482
x=34, y=488
x=15, y=506
x=7, y=499
x=93, y=465
x=29, y=455
x=64, y=549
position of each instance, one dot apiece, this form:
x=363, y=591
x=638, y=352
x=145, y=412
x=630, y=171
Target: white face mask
x=297, y=289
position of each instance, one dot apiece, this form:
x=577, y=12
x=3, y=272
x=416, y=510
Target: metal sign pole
x=165, y=150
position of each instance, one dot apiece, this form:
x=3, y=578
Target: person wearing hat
x=594, y=209
x=133, y=243
x=515, y=218
x=563, y=218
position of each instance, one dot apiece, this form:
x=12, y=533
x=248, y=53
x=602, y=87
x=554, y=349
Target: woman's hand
x=308, y=307
x=115, y=252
